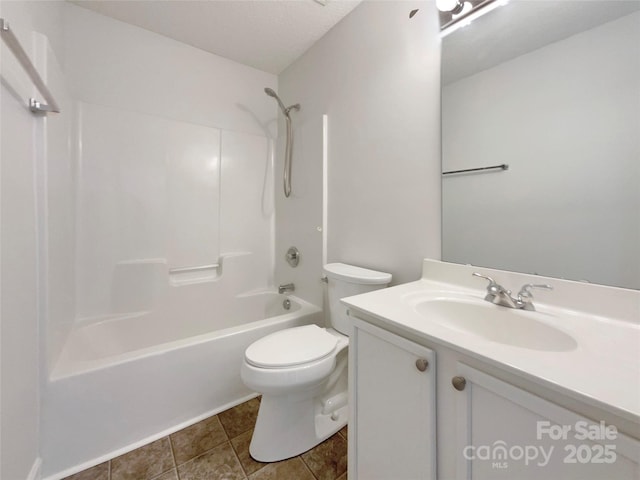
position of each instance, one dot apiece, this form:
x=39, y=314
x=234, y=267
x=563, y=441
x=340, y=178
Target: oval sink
x=499, y=324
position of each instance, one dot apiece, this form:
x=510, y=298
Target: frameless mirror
x=551, y=89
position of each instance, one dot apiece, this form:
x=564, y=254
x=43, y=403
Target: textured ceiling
x=265, y=34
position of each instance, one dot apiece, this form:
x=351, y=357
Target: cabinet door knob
x=459, y=383
x=422, y=364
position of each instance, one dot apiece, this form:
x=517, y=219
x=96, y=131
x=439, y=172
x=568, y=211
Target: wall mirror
x=550, y=89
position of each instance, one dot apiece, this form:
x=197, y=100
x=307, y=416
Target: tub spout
x=289, y=287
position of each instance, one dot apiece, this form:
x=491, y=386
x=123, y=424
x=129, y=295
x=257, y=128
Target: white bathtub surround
x=173, y=164
x=123, y=382
x=178, y=312
x=600, y=368
x=158, y=195
x=175, y=160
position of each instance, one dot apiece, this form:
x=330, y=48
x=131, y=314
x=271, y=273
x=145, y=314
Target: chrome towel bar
x=504, y=166
x=14, y=45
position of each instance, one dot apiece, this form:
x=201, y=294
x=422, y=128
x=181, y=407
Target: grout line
x=205, y=453
x=210, y=450
x=173, y=457
x=246, y=474
x=307, y=467
x=224, y=429
x=109, y=470
x=235, y=454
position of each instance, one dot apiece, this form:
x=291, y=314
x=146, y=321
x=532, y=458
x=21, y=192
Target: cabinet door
x=392, y=427
x=505, y=432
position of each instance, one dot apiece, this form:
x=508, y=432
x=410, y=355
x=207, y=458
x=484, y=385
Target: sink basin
x=498, y=324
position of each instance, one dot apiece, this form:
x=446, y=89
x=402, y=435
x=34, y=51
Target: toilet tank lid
x=353, y=274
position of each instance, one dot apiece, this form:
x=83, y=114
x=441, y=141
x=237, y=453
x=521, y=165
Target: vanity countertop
x=602, y=369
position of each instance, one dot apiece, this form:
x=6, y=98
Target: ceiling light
x=453, y=6
x=463, y=20
x=467, y=7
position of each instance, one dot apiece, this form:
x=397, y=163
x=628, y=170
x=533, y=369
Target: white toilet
x=301, y=373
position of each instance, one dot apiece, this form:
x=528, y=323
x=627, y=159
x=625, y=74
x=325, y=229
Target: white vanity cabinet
x=392, y=426
x=487, y=428
x=505, y=432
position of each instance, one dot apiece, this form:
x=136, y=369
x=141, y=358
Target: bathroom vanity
x=446, y=385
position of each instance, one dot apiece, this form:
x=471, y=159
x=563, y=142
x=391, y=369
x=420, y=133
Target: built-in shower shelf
x=194, y=274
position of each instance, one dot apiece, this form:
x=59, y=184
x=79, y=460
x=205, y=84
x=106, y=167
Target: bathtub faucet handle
x=289, y=287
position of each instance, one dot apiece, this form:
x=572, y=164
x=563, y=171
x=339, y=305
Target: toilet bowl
x=301, y=373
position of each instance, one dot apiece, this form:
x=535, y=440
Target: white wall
x=565, y=118
x=35, y=179
x=175, y=153
x=376, y=75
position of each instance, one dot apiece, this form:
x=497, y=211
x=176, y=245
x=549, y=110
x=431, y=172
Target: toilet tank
x=344, y=281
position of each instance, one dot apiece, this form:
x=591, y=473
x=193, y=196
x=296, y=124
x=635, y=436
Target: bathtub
x=124, y=381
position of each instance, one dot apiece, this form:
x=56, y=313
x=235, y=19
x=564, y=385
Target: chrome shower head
x=273, y=94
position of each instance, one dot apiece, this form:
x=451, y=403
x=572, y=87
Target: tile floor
x=217, y=448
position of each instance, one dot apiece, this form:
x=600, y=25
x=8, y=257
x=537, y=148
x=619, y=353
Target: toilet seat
x=291, y=347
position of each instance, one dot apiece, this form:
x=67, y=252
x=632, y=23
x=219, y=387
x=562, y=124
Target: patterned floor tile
x=143, y=463
x=241, y=418
x=170, y=475
x=241, y=446
x=328, y=461
x=219, y=463
x=192, y=441
x=292, y=469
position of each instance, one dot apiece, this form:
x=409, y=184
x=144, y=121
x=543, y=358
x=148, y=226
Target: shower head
x=270, y=92
x=284, y=109
x=273, y=94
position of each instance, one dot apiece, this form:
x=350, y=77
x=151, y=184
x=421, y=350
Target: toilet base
x=293, y=423
x=287, y=427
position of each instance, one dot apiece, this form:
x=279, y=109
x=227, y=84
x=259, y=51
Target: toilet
x=301, y=373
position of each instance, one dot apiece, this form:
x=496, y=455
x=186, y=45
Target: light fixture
x=466, y=8
x=453, y=6
x=463, y=19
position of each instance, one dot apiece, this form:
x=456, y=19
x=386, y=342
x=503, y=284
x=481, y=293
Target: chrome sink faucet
x=499, y=295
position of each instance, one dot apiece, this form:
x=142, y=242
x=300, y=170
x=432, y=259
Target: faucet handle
x=525, y=298
x=491, y=280
x=525, y=291
x=493, y=287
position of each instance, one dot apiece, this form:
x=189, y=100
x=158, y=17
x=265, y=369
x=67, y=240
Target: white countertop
x=603, y=370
